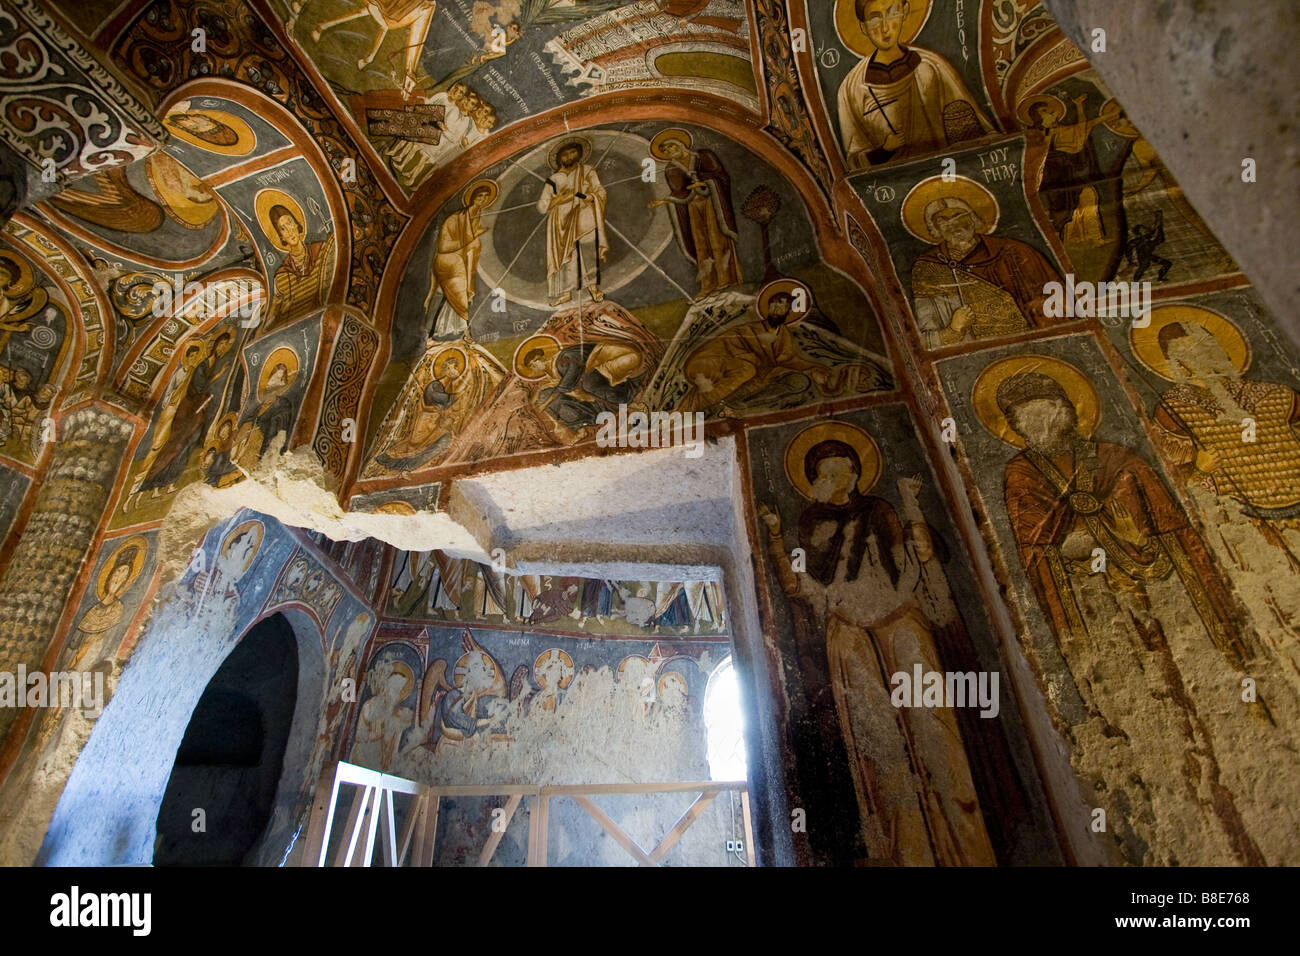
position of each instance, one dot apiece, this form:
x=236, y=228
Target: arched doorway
x=223, y=783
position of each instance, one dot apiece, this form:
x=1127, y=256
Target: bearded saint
x=573, y=201
x=973, y=285
x=1068, y=497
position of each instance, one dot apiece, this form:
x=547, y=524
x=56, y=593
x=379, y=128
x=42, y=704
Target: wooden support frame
x=373, y=813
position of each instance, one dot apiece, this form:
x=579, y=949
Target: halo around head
x=252, y=525
x=262, y=206
x=1116, y=120
x=1048, y=100
x=797, y=451
x=1146, y=341
x=243, y=143
x=141, y=546
x=497, y=686
x=927, y=191
x=777, y=286
x=169, y=180
x=449, y=352
x=408, y=676
x=662, y=137
x=1087, y=404
x=547, y=343
x=584, y=144
x=566, y=665
x=281, y=356
x=853, y=37
x=26, y=278
x=493, y=191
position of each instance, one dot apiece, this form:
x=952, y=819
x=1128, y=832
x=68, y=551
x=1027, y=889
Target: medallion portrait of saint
x=1069, y=499
x=900, y=101
x=860, y=616
x=213, y=130
x=301, y=281
x=971, y=284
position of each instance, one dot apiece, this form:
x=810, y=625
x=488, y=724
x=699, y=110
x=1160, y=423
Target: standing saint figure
x=899, y=101
x=1203, y=423
x=1070, y=499
x=858, y=621
x=301, y=281
x=971, y=284
x=573, y=201
x=187, y=413
x=117, y=575
x=704, y=221
x=460, y=242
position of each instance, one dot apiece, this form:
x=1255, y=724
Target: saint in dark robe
x=858, y=621
x=699, y=198
x=591, y=381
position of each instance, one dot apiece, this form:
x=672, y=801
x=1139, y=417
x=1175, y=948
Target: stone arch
x=84, y=831
x=705, y=111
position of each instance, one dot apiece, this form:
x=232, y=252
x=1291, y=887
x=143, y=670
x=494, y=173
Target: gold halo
x=245, y=140
x=851, y=435
x=403, y=668
x=851, y=35
x=663, y=136
x=493, y=188
x=230, y=417
x=498, y=679
x=927, y=191
x=659, y=687
x=262, y=206
x=447, y=352
x=284, y=355
x=1087, y=405
x=1146, y=345
x=766, y=293
x=239, y=529
x=1114, y=118
x=1039, y=99
x=26, y=278
x=553, y=157
x=164, y=173
x=395, y=508
x=566, y=675
x=622, y=665
x=547, y=343
x=141, y=544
